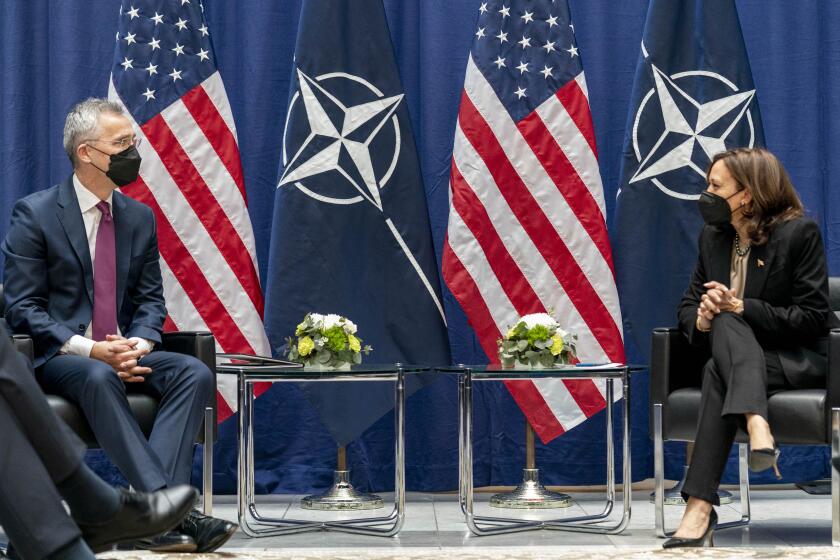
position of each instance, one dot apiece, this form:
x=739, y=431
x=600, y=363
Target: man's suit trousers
x=183, y=385
x=37, y=451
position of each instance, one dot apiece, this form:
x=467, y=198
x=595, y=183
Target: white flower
x=331, y=320
x=349, y=326
x=543, y=319
x=317, y=320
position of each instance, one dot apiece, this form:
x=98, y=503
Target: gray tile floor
x=780, y=517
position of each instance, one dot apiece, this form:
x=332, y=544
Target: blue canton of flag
x=527, y=54
x=164, y=73
x=163, y=51
x=351, y=230
x=693, y=97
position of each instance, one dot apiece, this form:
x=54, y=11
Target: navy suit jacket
x=48, y=274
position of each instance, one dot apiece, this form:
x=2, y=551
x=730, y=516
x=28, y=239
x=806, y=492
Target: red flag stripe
x=567, y=181
x=525, y=394
x=474, y=215
x=574, y=100
x=536, y=410
x=192, y=280
x=208, y=119
x=587, y=395
x=546, y=421
x=466, y=292
x=195, y=190
x=545, y=237
x=518, y=290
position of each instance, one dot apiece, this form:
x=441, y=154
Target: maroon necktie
x=105, y=277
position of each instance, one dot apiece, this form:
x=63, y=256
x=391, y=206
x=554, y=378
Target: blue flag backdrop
x=351, y=230
x=693, y=97
x=56, y=52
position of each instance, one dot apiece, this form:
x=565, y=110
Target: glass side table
x=597, y=523
x=256, y=525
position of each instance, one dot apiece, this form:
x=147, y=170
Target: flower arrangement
x=328, y=341
x=537, y=340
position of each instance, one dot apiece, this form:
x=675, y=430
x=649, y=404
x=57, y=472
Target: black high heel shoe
x=763, y=459
x=704, y=540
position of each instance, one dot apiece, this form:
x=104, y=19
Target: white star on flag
x=320, y=124
x=709, y=113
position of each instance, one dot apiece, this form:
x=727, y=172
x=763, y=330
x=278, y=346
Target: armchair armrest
x=674, y=364
x=23, y=344
x=200, y=345
x=832, y=382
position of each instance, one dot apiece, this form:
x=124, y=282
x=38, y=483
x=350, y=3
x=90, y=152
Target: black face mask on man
x=715, y=209
x=124, y=167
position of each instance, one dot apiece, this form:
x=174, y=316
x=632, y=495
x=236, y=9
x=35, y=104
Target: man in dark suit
x=42, y=463
x=82, y=278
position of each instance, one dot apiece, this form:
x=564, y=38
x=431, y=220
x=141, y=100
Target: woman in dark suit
x=759, y=299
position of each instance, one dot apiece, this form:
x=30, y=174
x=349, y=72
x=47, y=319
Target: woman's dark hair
x=774, y=198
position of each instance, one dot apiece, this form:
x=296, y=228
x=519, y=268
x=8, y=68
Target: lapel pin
x=760, y=263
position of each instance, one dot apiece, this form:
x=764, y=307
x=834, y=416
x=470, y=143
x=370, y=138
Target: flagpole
x=341, y=495
x=530, y=494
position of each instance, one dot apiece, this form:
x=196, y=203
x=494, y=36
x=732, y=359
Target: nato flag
x=351, y=229
x=693, y=97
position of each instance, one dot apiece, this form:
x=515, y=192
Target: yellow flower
x=305, y=346
x=299, y=329
x=557, y=345
x=354, y=343
x=509, y=334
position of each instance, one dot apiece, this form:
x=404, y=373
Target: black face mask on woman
x=124, y=167
x=715, y=209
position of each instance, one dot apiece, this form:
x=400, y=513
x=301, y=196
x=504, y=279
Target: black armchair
x=201, y=345
x=798, y=417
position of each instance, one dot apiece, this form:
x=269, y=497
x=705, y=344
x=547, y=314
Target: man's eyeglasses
x=122, y=143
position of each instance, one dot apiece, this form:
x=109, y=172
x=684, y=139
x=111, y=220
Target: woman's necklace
x=738, y=251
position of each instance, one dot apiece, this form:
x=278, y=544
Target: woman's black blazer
x=785, y=294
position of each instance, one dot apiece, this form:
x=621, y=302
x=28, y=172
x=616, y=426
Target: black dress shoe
x=209, y=533
x=171, y=541
x=706, y=539
x=141, y=515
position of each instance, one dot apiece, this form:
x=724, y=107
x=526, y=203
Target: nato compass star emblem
x=339, y=141
x=692, y=130
x=350, y=150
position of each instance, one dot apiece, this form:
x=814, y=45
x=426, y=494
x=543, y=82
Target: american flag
x=526, y=225
x=165, y=75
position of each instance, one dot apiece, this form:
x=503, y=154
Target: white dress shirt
x=78, y=345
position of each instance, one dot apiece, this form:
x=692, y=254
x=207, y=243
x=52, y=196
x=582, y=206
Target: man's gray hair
x=83, y=120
